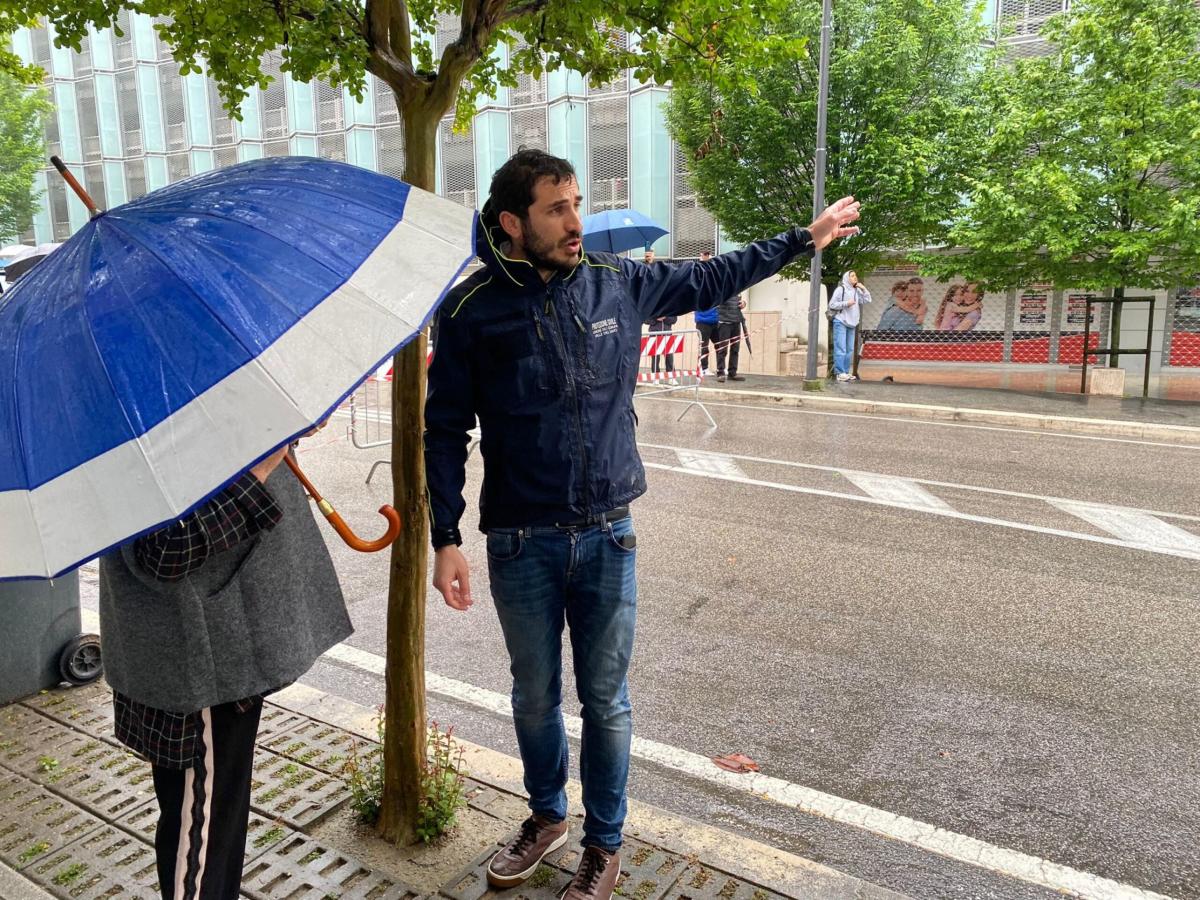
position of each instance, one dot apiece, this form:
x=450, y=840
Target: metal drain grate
x=34, y=822
x=108, y=863
x=702, y=883
x=261, y=834
x=301, y=869
x=318, y=745
x=546, y=883
x=86, y=708
x=292, y=792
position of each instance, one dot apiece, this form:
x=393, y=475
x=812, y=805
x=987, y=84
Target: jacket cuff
x=803, y=240
x=444, y=537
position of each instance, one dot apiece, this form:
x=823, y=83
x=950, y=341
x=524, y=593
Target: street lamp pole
x=814, y=276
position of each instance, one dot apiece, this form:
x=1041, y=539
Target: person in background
x=658, y=326
x=846, y=302
x=729, y=336
x=707, y=323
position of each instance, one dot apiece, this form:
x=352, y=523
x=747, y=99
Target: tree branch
x=517, y=10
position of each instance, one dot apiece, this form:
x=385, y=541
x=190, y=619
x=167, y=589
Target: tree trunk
x=404, y=708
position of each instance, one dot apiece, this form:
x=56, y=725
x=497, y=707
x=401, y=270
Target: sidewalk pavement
x=1168, y=421
x=77, y=817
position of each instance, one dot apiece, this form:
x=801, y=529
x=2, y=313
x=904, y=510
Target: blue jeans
x=541, y=579
x=843, y=346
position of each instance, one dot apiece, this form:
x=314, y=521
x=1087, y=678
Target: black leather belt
x=613, y=515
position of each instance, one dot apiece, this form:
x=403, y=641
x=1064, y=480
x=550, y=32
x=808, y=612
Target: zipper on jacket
x=537, y=323
x=573, y=387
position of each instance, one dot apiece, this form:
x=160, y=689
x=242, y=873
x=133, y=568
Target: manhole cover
x=34, y=822
x=108, y=863
x=293, y=792
x=318, y=745
x=301, y=869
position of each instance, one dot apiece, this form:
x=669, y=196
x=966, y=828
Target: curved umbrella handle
x=339, y=524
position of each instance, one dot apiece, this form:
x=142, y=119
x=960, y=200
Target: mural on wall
x=1185, y=328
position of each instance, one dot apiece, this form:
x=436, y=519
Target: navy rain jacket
x=549, y=369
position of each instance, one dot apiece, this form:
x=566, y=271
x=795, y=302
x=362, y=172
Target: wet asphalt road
x=1035, y=690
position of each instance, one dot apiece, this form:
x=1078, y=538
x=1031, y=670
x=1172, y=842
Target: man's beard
x=538, y=250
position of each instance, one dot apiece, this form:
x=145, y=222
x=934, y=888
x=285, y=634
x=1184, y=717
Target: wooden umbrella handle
x=339, y=524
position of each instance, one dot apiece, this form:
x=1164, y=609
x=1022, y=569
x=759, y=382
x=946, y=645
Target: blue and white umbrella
x=176, y=340
x=616, y=230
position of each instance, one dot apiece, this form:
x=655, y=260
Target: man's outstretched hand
x=834, y=223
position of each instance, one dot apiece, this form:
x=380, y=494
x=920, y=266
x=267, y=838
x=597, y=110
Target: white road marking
x=911, y=421
x=900, y=490
x=948, y=513
x=703, y=461
x=958, y=847
x=814, y=467
x=1132, y=525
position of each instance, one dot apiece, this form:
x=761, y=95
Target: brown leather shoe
x=520, y=858
x=597, y=875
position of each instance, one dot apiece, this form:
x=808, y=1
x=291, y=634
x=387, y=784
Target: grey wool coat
x=251, y=619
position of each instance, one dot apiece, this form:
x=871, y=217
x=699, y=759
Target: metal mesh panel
x=41, y=47
x=618, y=40
x=161, y=46
x=83, y=58
x=276, y=148
x=123, y=39
x=386, y=110
x=1026, y=17
x=226, y=156
x=529, y=89
x=449, y=26
x=330, y=114
x=529, y=129
x=170, y=88
x=332, y=146
x=135, y=178
x=458, y=164
x=179, y=166
x=608, y=131
x=53, y=137
x=89, y=125
x=274, y=99
x=389, y=144
x=93, y=182
x=222, y=125
x=131, y=123
x=59, y=217
x=694, y=229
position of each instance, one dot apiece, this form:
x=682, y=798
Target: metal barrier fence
x=658, y=355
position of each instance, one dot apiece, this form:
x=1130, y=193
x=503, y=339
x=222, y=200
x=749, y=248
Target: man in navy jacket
x=542, y=347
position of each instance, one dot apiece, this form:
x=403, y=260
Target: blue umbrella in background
x=616, y=230
x=176, y=340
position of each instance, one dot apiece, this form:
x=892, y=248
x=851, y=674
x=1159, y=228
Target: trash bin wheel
x=80, y=663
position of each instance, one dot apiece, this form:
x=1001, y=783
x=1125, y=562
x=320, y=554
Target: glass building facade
x=128, y=122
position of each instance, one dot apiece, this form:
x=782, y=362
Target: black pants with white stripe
x=204, y=810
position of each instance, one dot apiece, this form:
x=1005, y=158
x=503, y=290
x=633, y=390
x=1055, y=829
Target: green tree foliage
x=1094, y=157
x=902, y=126
x=22, y=145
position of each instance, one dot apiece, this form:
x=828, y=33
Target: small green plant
x=70, y=874
x=443, y=787
x=47, y=763
x=33, y=852
x=270, y=837
x=442, y=784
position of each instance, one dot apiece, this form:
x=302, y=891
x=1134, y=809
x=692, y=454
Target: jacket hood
x=846, y=282
x=491, y=244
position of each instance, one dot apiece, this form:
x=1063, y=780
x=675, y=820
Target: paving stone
x=497, y=804
x=648, y=873
x=106, y=864
x=88, y=708
x=315, y=744
x=547, y=882
x=276, y=720
x=299, y=868
x=35, y=823
x=700, y=882
x=292, y=792
x=261, y=834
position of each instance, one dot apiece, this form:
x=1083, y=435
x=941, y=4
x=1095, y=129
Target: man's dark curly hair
x=513, y=183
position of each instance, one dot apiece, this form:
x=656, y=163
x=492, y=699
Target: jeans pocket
x=504, y=546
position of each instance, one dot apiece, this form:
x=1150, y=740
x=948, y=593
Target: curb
x=14, y=886
x=744, y=858
x=1184, y=435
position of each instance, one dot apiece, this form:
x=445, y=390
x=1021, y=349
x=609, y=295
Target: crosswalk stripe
x=896, y=490
x=1132, y=525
